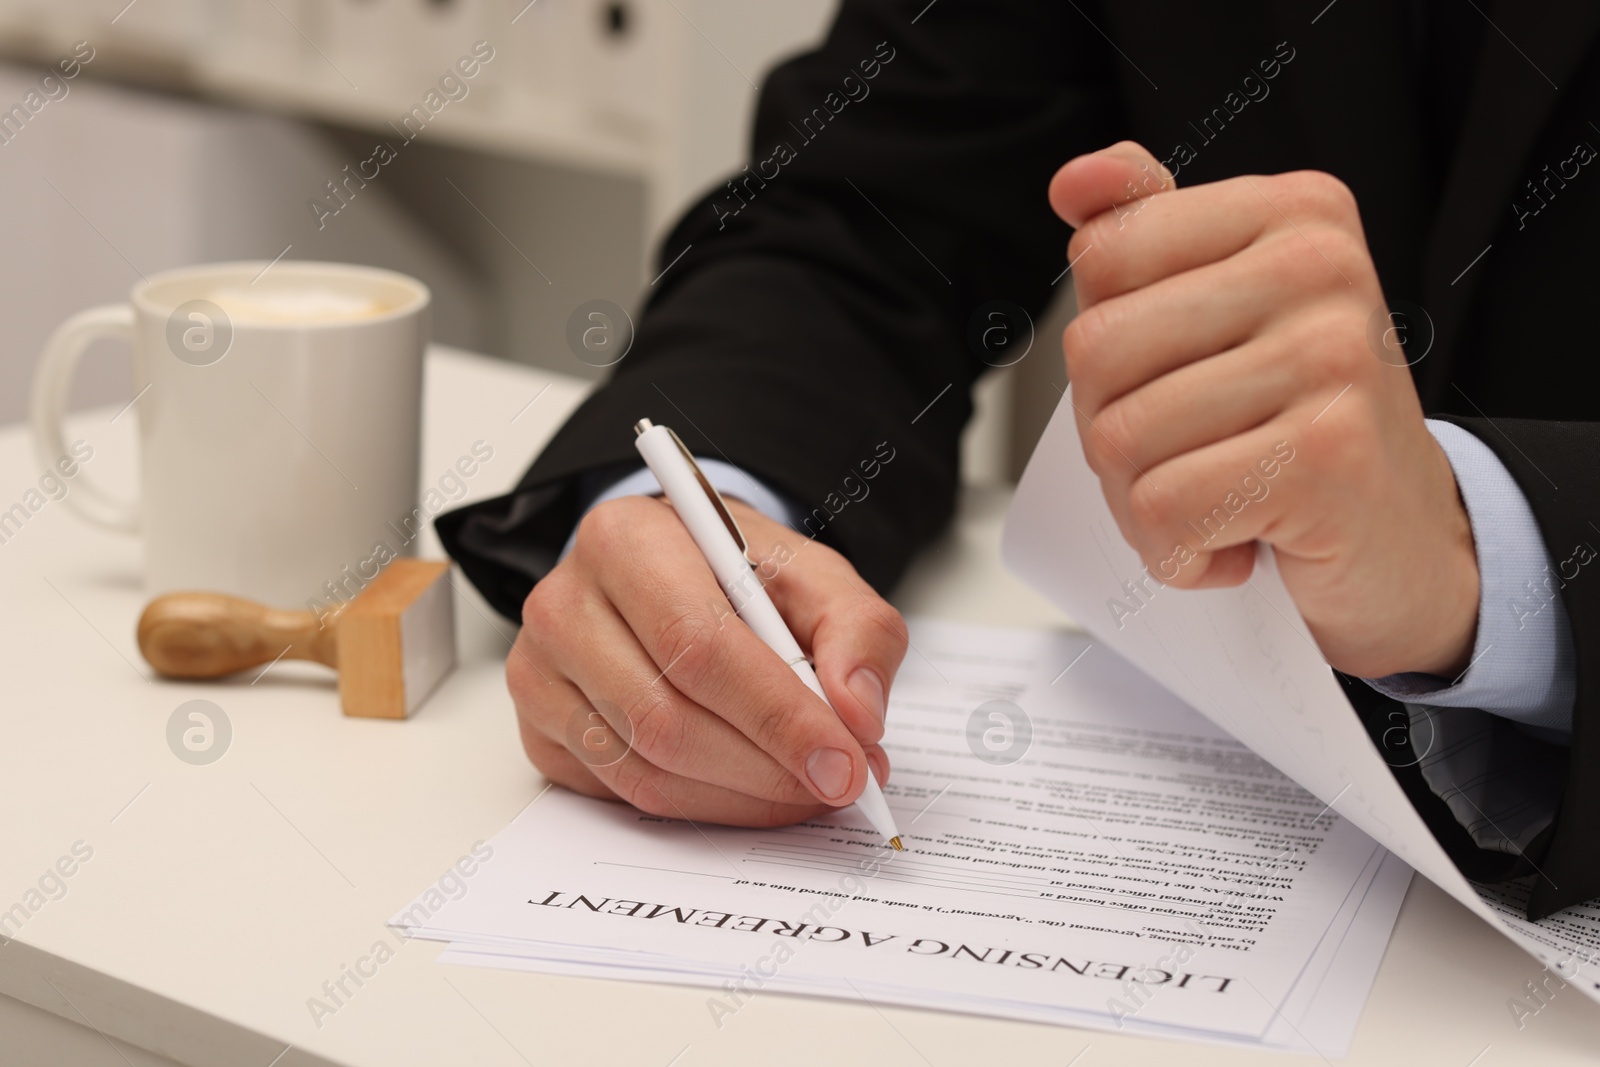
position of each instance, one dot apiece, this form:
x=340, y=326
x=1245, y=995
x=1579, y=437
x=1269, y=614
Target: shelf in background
x=498, y=116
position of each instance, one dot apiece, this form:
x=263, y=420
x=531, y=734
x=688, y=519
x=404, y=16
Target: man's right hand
x=634, y=679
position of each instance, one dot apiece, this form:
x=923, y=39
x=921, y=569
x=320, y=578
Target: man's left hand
x=1228, y=392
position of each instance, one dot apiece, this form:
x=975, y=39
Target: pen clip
x=716, y=498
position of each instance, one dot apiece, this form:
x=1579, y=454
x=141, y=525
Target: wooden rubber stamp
x=391, y=645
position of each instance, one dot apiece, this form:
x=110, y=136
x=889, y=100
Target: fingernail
x=830, y=772
x=865, y=685
x=1127, y=150
x=1142, y=159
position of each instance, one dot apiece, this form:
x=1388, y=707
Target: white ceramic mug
x=279, y=412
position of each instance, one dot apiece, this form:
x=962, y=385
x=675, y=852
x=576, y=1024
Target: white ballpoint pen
x=720, y=540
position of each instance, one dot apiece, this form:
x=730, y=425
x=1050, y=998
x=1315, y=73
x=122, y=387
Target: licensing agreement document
x=1245, y=659
x=1083, y=848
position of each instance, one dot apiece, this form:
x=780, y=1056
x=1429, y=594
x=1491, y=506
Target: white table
x=219, y=898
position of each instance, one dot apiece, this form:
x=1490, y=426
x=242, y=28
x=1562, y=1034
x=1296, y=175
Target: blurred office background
x=201, y=130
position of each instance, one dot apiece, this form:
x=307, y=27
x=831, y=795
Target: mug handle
x=51, y=381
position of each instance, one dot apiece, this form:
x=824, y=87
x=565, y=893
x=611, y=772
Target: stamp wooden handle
x=207, y=635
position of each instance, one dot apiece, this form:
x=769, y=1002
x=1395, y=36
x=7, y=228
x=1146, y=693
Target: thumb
x=1094, y=183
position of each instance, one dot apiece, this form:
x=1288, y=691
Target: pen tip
x=898, y=847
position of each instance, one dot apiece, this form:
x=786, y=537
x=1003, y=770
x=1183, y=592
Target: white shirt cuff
x=724, y=477
x=1523, y=666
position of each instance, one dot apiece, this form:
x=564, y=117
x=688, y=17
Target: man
x=1280, y=179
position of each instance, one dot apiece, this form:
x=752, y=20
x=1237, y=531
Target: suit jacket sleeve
x=1554, y=464
x=819, y=312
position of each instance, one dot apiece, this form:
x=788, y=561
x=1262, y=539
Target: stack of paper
x=1244, y=658
x=1083, y=849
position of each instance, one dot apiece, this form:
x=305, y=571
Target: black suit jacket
x=819, y=304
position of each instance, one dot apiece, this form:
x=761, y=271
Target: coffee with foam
x=302, y=304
